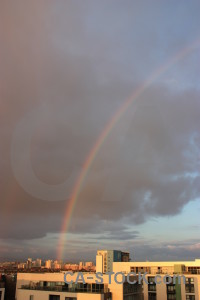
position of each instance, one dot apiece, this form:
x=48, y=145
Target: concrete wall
x=99, y=263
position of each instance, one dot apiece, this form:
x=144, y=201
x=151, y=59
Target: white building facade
x=175, y=280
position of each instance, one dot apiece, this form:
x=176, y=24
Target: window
x=189, y=288
x=194, y=270
x=171, y=288
x=130, y=288
x=54, y=297
x=171, y=297
x=31, y=297
x=151, y=280
x=190, y=297
x=152, y=288
x=70, y=298
x=171, y=292
x=152, y=296
x=189, y=285
x=189, y=280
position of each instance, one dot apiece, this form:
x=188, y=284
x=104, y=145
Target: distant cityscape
x=36, y=265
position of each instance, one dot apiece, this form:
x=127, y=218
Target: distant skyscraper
x=81, y=264
x=29, y=263
x=38, y=262
x=48, y=264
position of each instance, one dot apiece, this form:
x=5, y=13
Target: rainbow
x=103, y=136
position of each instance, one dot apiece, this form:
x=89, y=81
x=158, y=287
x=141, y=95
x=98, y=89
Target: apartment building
x=171, y=280
x=105, y=259
x=52, y=286
x=165, y=274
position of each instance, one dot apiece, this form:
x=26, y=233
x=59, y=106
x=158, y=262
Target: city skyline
x=93, y=157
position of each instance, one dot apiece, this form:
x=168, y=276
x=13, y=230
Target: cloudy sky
x=67, y=67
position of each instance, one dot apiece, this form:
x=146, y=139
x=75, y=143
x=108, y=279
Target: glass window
x=190, y=297
x=54, y=297
x=152, y=288
x=189, y=288
x=171, y=297
x=171, y=288
x=152, y=296
x=190, y=280
x=151, y=280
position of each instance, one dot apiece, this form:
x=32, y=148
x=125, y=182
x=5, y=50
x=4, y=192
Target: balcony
x=65, y=289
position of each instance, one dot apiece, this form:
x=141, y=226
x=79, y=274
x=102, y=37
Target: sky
x=67, y=67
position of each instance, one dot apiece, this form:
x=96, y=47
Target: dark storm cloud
x=102, y=229
x=27, y=227
x=155, y=170
x=82, y=60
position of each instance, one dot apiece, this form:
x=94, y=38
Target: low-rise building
x=52, y=286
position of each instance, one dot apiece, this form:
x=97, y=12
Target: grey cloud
x=82, y=60
x=185, y=250
x=159, y=150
